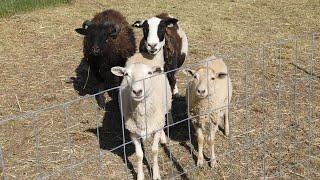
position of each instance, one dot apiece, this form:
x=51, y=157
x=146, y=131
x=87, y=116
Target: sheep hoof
x=200, y=163
x=101, y=100
x=213, y=163
x=225, y=132
x=163, y=140
x=102, y=105
x=157, y=178
x=140, y=177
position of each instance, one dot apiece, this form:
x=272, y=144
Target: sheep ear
x=188, y=71
x=118, y=71
x=84, y=28
x=221, y=75
x=138, y=24
x=81, y=31
x=170, y=21
x=157, y=69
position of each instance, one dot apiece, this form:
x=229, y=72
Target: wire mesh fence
x=10, y=7
x=273, y=116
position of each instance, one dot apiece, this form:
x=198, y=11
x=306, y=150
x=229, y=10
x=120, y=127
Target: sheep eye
x=150, y=73
x=195, y=76
x=212, y=78
x=125, y=74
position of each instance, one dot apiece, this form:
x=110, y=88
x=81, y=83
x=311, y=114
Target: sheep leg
x=213, y=130
x=163, y=138
x=226, y=123
x=139, y=152
x=101, y=99
x=200, y=146
x=175, y=89
x=155, y=150
x=172, y=82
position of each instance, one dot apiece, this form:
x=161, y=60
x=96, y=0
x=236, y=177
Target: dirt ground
x=275, y=111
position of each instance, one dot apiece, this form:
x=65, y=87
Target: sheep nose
x=137, y=93
x=95, y=50
x=201, y=91
x=152, y=45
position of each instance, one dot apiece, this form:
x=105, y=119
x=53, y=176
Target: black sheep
x=108, y=41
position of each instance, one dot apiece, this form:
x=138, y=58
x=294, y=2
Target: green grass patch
x=10, y=7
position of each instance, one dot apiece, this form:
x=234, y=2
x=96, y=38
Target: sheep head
x=154, y=30
x=98, y=36
x=203, y=79
x=138, y=77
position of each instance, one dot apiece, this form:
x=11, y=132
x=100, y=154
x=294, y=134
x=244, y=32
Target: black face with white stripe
x=153, y=32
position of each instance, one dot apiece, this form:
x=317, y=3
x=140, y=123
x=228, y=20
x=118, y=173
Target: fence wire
x=273, y=118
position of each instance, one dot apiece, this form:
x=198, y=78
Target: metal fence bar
x=2, y=165
x=37, y=144
x=168, y=132
x=263, y=107
x=310, y=106
x=146, y=121
x=96, y=108
x=210, y=137
x=246, y=117
x=123, y=134
x=189, y=115
x=279, y=112
x=208, y=112
x=229, y=153
x=66, y=122
x=295, y=99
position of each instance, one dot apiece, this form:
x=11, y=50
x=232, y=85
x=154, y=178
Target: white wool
x=219, y=91
x=184, y=43
x=147, y=115
x=153, y=30
x=152, y=60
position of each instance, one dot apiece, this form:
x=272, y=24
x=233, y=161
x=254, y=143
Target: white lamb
x=146, y=99
x=209, y=89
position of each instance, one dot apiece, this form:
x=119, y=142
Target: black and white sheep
x=108, y=41
x=145, y=99
x=209, y=91
x=162, y=34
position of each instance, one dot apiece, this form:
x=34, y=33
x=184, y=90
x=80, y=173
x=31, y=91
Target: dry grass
x=40, y=51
